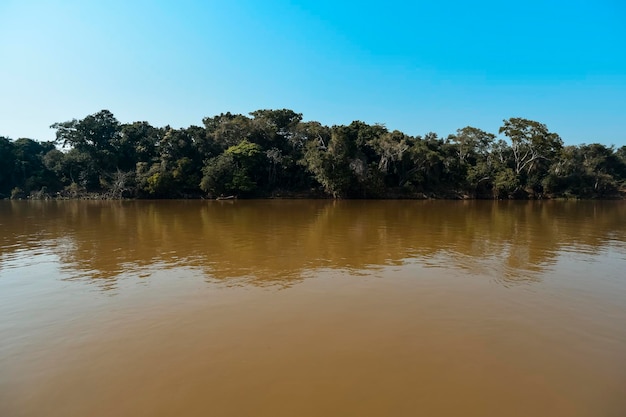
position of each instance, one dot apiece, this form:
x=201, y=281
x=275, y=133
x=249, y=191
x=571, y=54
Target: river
x=312, y=308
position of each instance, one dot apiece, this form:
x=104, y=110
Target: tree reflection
x=282, y=242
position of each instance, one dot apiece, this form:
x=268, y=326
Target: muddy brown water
x=312, y=308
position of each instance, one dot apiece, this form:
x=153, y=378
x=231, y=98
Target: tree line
x=274, y=153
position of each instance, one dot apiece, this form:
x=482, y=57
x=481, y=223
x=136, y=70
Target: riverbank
x=315, y=195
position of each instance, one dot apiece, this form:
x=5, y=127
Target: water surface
x=310, y=308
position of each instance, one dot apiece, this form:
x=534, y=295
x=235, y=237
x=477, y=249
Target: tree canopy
x=270, y=153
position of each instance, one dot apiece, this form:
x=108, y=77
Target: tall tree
x=228, y=129
x=7, y=164
x=31, y=174
x=472, y=144
x=97, y=135
x=138, y=143
x=236, y=171
x=274, y=128
x=531, y=143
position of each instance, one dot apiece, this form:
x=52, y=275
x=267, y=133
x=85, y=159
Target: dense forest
x=273, y=153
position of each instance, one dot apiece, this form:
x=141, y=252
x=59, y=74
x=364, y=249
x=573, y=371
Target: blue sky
x=416, y=66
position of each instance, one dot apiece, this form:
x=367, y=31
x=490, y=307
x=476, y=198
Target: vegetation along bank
x=274, y=153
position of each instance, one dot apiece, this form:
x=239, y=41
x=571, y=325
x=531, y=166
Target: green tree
x=30, y=172
x=621, y=153
x=217, y=178
x=532, y=144
x=505, y=184
x=481, y=159
x=274, y=131
x=228, y=129
x=7, y=166
x=473, y=144
x=98, y=146
x=603, y=168
x=138, y=143
x=274, y=128
x=176, y=169
x=97, y=135
x=154, y=180
x=389, y=149
x=349, y=167
x=308, y=144
x=236, y=171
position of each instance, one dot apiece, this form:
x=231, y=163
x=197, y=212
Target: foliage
x=274, y=152
x=534, y=148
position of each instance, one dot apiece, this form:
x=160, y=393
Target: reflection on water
x=277, y=242
x=309, y=308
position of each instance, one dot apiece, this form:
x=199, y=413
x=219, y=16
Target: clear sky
x=416, y=66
